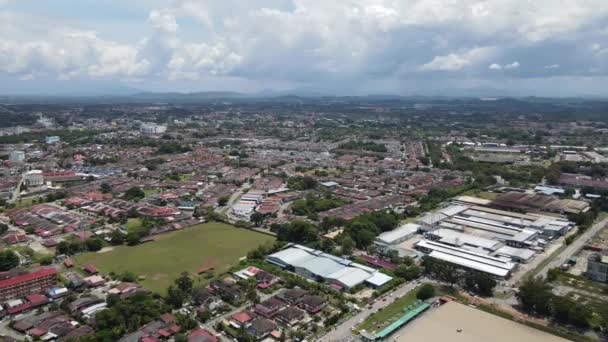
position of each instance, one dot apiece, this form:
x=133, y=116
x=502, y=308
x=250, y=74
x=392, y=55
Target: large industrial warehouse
x=485, y=239
x=320, y=266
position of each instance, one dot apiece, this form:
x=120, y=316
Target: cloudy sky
x=536, y=47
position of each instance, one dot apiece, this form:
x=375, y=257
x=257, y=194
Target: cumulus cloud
x=456, y=61
x=318, y=41
x=163, y=20
x=69, y=54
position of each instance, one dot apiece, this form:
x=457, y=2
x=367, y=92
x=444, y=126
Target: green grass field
x=134, y=224
x=215, y=245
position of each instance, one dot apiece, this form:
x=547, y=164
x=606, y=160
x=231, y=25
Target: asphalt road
x=574, y=247
x=343, y=332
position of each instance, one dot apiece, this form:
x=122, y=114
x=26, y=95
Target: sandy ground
x=456, y=322
x=106, y=249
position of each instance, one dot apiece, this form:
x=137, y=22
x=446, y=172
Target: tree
x=175, y=297
x=408, y=272
x=3, y=228
x=222, y=201
x=425, y=292
x=347, y=244
x=535, y=295
x=184, y=283
x=257, y=218
x=203, y=316
x=553, y=274
x=116, y=237
x=94, y=244
x=134, y=193
x=580, y=315
x=480, y=282
x=8, y=260
x=105, y=188
x=132, y=238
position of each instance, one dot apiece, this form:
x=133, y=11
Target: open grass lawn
x=134, y=224
x=214, y=245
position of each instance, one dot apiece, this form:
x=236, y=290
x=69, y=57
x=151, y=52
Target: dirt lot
x=459, y=323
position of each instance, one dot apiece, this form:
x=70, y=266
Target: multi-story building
x=26, y=284
x=597, y=267
x=150, y=128
x=52, y=139
x=33, y=178
x=17, y=156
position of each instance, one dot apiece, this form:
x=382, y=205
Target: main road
x=343, y=332
x=574, y=247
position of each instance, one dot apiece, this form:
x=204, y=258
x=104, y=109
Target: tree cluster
x=536, y=295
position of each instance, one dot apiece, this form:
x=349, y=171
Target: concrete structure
x=33, y=178
x=597, y=267
x=320, y=266
x=52, y=139
x=26, y=284
x=152, y=128
x=16, y=156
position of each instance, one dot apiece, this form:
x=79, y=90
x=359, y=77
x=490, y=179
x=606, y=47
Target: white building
x=398, y=235
x=52, y=139
x=319, y=266
x=17, y=156
x=498, y=267
x=151, y=128
x=33, y=178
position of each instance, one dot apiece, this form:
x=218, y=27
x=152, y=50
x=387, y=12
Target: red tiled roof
x=37, y=299
x=241, y=317
x=19, y=308
x=163, y=333
x=41, y=273
x=90, y=268
x=37, y=332
x=202, y=332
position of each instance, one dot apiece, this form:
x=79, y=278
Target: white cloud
x=163, y=21
x=313, y=40
x=496, y=66
x=455, y=61
x=69, y=54
x=552, y=66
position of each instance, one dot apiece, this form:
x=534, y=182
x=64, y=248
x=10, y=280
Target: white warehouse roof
x=395, y=235
x=309, y=261
x=465, y=258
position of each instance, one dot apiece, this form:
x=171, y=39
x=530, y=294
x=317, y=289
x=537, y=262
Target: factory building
x=340, y=273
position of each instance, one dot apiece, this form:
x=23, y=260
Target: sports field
x=214, y=245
